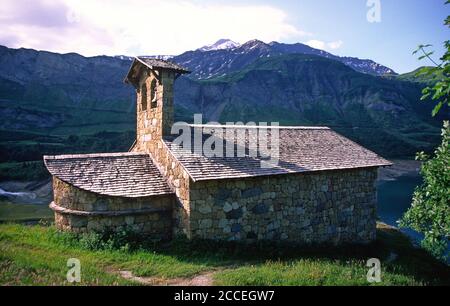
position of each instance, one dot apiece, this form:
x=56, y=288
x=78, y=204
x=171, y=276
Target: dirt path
x=203, y=279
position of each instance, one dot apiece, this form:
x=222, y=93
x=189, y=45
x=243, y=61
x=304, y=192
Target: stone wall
x=152, y=124
x=180, y=182
x=78, y=210
x=322, y=207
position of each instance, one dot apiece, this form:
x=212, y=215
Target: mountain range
x=226, y=56
x=57, y=103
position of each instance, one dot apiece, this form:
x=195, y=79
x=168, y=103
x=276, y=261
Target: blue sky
x=136, y=27
x=404, y=25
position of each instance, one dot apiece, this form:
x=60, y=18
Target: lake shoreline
x=400, y=167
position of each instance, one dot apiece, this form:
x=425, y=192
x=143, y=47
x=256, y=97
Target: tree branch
x=429, y=57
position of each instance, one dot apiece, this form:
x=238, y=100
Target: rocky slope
x=220, y=45
x=44, y=90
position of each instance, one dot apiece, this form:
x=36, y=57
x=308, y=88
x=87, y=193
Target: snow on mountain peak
x=221, y=44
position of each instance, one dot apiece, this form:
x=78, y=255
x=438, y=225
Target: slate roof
x=152, y=63
x=115, y=174
x=301, y=149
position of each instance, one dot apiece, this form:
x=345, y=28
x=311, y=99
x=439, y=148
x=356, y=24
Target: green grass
x=37, y=255
x=303, y=272
x=346, y=266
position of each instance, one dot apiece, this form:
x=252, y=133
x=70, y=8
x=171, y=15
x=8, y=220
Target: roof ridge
x=91, y=155
x=299, y=127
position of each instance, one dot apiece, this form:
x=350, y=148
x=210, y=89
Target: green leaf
x=436, y=109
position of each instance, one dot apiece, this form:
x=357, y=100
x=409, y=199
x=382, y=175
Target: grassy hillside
x=37, y=255
x=24, y=212
x=21, y=152
x=427, y=79
x=60, y=103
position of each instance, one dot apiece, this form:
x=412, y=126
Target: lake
x=394, y=198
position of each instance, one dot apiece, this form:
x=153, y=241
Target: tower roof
x=153, y=64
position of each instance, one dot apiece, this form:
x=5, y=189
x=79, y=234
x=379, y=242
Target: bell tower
x=153, y=80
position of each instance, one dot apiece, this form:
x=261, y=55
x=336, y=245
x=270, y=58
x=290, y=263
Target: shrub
x=429, y=213
x=123, y=239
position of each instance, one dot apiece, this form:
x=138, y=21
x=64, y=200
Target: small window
x=143, y=97
x=153, y=97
